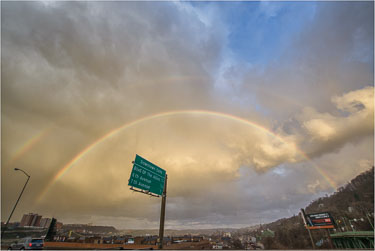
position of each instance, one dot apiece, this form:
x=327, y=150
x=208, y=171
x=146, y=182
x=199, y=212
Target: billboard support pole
x=304, y=220
x=162, y=214
x=329, y=239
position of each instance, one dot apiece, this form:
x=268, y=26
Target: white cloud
x=329, y=132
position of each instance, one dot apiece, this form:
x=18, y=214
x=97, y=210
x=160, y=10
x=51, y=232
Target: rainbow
x=30, y=143
x=115, y=131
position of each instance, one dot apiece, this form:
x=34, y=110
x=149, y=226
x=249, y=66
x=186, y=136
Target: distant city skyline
x=254, y=109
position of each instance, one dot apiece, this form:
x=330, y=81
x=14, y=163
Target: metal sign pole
x=304, y=220
x=329, y=239
x=162, y=214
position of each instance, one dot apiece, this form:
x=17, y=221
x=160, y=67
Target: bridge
x=354, y=240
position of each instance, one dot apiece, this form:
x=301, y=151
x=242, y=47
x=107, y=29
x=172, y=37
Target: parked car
x=28, y=243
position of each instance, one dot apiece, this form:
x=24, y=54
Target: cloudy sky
x=253, y=108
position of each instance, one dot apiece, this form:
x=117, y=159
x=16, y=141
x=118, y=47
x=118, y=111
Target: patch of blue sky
x=363, y=50
x=259, y=32
x=279, y=170
x=262, y=110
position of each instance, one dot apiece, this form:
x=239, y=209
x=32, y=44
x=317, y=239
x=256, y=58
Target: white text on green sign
x=147, y=176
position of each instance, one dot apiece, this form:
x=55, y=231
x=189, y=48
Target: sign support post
x=329, y=239
x=151, y=180
x=308, y=229
x=322, y=220
x=162, y=214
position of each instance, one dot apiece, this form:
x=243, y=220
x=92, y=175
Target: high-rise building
x=36, y=220
x=26, y=220
x=30, y=220
x=45, y=222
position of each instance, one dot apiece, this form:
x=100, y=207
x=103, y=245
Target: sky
x=254, y=109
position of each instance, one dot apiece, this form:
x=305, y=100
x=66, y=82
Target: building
x=36, y=221
x=45, y=222
x=217, y=246
x=30, y=220
x=59, y=225
x=26, y=220
x=267, y=233
x=227, y=234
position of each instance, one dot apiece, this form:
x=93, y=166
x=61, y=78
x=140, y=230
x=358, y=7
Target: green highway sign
x=147, y=176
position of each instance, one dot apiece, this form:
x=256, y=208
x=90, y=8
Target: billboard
x=319, y=220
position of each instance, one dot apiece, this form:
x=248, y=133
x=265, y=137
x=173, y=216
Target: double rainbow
x=128, y=125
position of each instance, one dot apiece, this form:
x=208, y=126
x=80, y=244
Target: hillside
x=176, y=232
x=352, y=204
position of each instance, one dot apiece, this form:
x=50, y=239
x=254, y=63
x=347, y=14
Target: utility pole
x=367, y=215
x=162, y=214
x=351, y=225
x=346, y=227
x=368, y=218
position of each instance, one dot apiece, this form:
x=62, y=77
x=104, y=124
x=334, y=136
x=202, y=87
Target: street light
x=19, y=197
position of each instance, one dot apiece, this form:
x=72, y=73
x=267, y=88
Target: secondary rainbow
x=28, y=145
x=115, y=131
